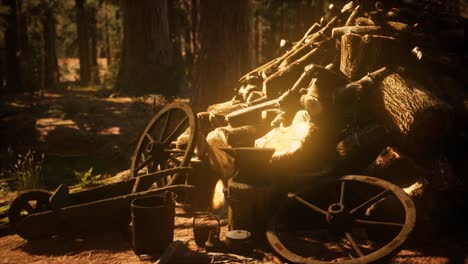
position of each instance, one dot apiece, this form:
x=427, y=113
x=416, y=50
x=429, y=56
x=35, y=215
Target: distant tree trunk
x=12, y=51
x=2, y=70
x=92, y=26
x=176, y=37
x=51, y=73
x=146, y=64
x=19, y=75
x=226, y=50
x=83, y=42
x=106, y=29
x=195, y=12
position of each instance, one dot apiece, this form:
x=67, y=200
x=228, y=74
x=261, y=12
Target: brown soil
x=70, y=125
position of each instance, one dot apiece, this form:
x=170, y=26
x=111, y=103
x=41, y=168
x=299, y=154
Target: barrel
x=152, y=225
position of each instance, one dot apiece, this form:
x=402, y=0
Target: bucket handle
x=207, y=214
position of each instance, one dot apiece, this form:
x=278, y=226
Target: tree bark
x=415, y=118
x=13, y=76
x=226, y=45
x=83, y=42
x=51, y=72
x=92, y=26
x=364, y=54
x=19, y=74
x=195, y=15
x=147, y=56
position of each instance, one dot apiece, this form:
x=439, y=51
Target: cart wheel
x=346, y=231
x=27, y=203
x=161, y=146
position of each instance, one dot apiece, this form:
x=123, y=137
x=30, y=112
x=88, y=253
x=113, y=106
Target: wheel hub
x=338, y=217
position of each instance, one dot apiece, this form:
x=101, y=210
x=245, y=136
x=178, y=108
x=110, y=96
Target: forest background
x=79, y=79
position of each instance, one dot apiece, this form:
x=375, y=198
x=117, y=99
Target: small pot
x=238, y=241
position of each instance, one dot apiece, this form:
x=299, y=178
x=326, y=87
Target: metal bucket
x=152, y=225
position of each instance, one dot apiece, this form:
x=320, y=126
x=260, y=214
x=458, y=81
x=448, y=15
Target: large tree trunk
x=13, y=73
x=147, y=57
x=19, y=75
x=226, y=50
x=51, y=72
x=83, y=42
x=2, y=70
x=107, y=38
x=195, y=15
x=94, y=67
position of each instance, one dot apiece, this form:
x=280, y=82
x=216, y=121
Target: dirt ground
x=112, y=248
x=82, y=128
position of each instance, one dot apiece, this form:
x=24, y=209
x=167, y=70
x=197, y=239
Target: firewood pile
x=376, y=90
x=375, y=78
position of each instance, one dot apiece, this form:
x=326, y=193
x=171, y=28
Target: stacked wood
x=415, y=117
x=373, y=75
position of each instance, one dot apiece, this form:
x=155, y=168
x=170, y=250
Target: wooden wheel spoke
x=342, y=192
x=150, y=137
x=173, y=159
x=176, y=131
x=354, y=245
x=158, y=142
x=370, y=201
x=29, y=208
x=41, y=204
x=367, y=248
x=174, y=151
x=311, y=206
x=143, y=164
x=371, y=222
x=165, y=123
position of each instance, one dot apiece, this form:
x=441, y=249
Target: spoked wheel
x=27, y=203
x=364, y=220
x=159, y=148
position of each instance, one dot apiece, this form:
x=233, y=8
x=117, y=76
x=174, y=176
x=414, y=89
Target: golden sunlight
x=218, y=196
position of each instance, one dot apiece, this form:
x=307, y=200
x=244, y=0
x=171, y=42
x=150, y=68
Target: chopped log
x=284, y=79
x=397, y=27
x=364, y=30
x=363, y=54
x=249, y=207
x=352, y=52
x=275, y=62
x=364, y=21
x=246, y=90
x=319, y=36
x=357, y=149
x=396, y=167
x=322, y=87
x=288, y=140
x=250, y=115
x=353, y=15
x=416, y=119
x=224, y=108
x=353, y=91
x=208, y=121
x=243, y=136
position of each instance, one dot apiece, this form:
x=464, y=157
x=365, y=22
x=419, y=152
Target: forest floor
x=78, y=129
